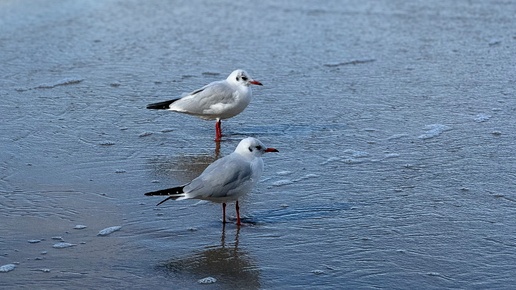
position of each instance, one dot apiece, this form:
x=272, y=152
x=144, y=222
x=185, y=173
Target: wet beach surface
x=394, y=121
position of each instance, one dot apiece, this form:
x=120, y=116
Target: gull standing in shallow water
x=215, y=101
x=225, y=180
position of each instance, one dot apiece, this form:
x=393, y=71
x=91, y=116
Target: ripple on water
x=479, y=118
x=434, y=130
x=7, y=268
x=63, y=245
x=283, y=173
x=62, y=82
x=283, y=182
x=108, y=231
x=207, y=280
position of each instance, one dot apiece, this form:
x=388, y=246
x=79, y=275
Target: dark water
x=394, y=121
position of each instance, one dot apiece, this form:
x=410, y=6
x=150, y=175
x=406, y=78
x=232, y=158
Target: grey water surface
x=395, y=122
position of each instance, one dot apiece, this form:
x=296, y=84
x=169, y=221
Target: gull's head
x=241, y=77
x=253, y=147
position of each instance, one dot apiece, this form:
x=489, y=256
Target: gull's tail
x=173, y=193
x=165, y=105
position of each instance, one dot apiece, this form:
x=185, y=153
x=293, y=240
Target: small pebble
x=34, y=241
x=80, y=227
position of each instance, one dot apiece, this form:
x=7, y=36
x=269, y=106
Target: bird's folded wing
x=201, y=101
x=224, y=177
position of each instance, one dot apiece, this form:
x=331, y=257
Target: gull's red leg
x=237, y=212
x=218, y=130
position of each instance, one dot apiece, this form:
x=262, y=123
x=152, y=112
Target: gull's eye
x=250, y=149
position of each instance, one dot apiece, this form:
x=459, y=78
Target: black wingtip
x=165, y=105
x=173, y=193
x=168, y=191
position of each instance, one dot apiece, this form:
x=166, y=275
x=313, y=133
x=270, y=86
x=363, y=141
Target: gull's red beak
x=271, y=150
x=255, y=83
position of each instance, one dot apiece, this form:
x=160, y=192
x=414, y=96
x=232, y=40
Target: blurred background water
x=394, y=121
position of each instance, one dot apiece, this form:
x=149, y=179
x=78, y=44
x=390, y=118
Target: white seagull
x=215, y=101
x=225, y=180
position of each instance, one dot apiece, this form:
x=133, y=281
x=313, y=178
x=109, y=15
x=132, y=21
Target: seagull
x=225, y=180
x=215, y=101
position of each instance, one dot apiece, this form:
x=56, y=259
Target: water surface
x=394, y=121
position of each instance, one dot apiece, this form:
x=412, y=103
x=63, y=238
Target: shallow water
x=394, y=122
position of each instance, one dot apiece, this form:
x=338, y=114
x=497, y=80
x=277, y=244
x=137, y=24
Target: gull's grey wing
x=225, y=177
x=200, y=102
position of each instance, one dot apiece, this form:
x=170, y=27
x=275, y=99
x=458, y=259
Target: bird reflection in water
x=183, y=168
x=232, y=267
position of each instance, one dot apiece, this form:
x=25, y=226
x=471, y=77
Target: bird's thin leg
x=238, y=213
x=223, y=213
x=218, y=130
